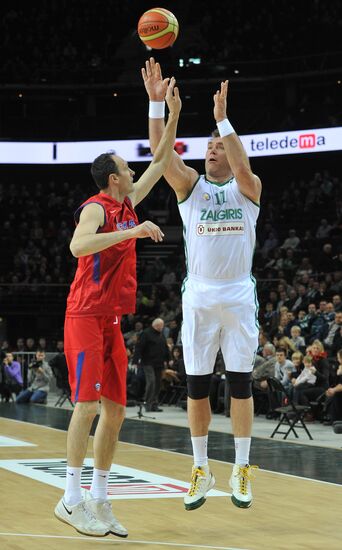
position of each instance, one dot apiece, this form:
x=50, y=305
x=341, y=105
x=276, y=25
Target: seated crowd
x=33, y=56
x=298, y=268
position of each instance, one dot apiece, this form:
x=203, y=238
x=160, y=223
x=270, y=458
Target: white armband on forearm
x=225, y=128
x=156, y=109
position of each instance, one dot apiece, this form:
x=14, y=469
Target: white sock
x=242, y=447
x=200, y=450
x=73, y=493
x=99, y=484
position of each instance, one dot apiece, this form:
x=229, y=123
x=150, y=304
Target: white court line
x=122, y=541
x=186, y=455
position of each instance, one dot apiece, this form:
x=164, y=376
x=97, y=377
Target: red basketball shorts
x=96, y=356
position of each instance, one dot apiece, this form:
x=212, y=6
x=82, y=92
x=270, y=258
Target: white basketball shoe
x=102, y=510
x=240, y=482
x=81, y=518
x=202, y=480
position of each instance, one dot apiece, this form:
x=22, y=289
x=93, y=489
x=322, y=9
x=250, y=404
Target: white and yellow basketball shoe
x=240, y=482
x=202, y=480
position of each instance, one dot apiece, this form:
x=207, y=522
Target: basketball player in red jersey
x=103, y=289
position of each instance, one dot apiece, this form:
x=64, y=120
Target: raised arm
x=87, y=241
x=249, y=184
x=179, y=176
x=163, y=152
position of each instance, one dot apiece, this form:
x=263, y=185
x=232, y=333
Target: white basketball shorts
x=219, y=314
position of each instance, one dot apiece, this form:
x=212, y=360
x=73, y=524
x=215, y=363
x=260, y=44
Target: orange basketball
x=158, y=28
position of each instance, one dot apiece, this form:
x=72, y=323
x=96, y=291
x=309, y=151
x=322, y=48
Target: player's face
x=216, y=162
x=125, y=176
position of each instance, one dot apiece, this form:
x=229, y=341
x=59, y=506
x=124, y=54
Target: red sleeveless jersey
x=105, y=282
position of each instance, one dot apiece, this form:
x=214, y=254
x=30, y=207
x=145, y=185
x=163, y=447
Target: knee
x=112, y=412
x=240, y=384
x=86, y=409
x=120, y=413
x=198, y=386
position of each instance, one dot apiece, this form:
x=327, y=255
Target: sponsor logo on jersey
x=121, y=226
x=220, y=228
x=206, y=196
x=224, y=214
x=97, y=386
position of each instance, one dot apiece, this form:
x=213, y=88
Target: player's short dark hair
x=281, y=350
x=102, y=167
x=215, y=133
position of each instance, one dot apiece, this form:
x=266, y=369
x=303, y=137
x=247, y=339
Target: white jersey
x=219, y=230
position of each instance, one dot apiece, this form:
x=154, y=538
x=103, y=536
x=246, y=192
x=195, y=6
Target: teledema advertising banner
x=193, y=148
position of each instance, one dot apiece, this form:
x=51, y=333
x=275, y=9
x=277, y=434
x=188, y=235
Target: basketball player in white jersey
x=219, y=211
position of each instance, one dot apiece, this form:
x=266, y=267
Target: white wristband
x=157, y=109
x=225, y=128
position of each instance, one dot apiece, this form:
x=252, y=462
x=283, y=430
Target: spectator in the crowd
x=337, y=343
x=302, y=322
x=276, y=261
x=323, y=230
x=270, y=318
x=302, y=301
x=297, y=360
x=305, y=268
x=329, y=313
x=265, y=369
x=283, y=367
x=152, y=354
x=321, y=369
x=325, y=260
x=333, y=403
x=176, y=363
x=292, y=241
x=262, y=340
x=291, y=299
x=174, y=375
x=12, y=380
x=39, y=378
x=296, y=338
x=306, y=378
x=60, y=346
x=131, y=337
x=20, y=345
x=59, y=368
x=330, y=330
x=290, y=263
x=270, y=244
x=316, y=322
x=312, y=293
x=42, y=343
x=30, y=344
x=336, y=299
x=282, y=299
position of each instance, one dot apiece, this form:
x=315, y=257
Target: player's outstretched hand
x=173, y=99
x=155, y=85
x=220, y=102
x=149, y=229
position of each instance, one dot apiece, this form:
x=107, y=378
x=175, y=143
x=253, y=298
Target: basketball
x=158, y=28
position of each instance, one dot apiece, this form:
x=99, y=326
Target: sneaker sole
x=119, y=534
x=241, y=503
x=201, y=501
x=195, y=505
x=82, y=532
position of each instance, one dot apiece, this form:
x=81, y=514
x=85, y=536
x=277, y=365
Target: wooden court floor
x=288, y=512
